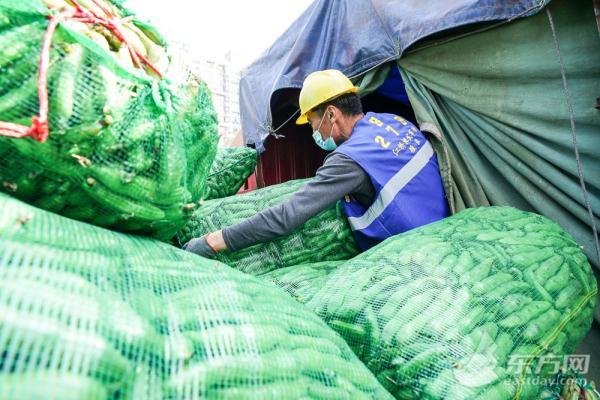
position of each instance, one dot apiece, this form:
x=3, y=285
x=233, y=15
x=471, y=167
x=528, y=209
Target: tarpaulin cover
x=354, y=36
x=515, y=132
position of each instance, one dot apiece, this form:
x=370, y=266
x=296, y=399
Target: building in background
x=223, y=79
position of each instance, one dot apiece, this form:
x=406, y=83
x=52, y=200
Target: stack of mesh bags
x=481, y=305
x=86, y=313
x=230, y=169
x=126, y=149
x=325, y=237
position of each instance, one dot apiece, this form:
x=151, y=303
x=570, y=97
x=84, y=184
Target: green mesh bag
x=229, y=171
x=477, y=306
x=302, y=281
x=86, y=313
x=325, y=237
x=125, y=150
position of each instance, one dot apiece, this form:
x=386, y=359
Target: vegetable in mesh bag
x=90, y=313
x=325, y=237
x=229, y=171
x=302, y=281
x=465, y=308
x=125, y=150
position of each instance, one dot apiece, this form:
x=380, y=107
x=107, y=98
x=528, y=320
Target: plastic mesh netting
x=475, y=306
x=86, y=313
x=126, y=150
x=325, y=237
x=302, y=281
x=229, y=171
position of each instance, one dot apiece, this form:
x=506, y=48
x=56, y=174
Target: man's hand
x=200, y=247
x=216, y=241
x=206, y=246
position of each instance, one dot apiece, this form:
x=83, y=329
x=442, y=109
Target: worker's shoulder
x=339, y=164
x=387, y=117
x=338, y=158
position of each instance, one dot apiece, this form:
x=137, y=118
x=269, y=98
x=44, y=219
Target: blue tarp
x=354, y=36
x=393, y=88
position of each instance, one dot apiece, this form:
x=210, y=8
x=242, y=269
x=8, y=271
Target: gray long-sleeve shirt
x=338, y=176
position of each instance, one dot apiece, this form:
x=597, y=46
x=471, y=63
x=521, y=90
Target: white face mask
x=327, y=145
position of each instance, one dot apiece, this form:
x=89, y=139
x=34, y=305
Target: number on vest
x=382, y=142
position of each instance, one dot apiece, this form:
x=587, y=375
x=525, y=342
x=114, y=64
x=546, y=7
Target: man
x=381, y=166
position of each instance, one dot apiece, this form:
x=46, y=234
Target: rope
x=113, y=24
x=39, y=129
x=574, y=133
x=273, y=132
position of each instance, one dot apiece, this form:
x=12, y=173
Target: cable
x=572, y=121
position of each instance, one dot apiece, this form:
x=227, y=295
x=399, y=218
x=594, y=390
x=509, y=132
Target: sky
x=215, y=27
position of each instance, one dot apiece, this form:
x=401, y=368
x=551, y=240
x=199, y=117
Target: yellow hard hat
x=322, y=86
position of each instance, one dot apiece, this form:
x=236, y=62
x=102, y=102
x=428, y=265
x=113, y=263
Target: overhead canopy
x=354, y=36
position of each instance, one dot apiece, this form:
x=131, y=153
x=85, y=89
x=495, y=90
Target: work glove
x=200, y=247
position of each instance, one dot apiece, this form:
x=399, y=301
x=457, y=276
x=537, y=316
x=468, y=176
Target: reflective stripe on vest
x=392, y=187
x=403, y=169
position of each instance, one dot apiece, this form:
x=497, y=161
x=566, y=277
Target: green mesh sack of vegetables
x=113, y=141
x=480, y=305
x=87, y=313
x=302, y=281
x=229, y=171
x=325, y=237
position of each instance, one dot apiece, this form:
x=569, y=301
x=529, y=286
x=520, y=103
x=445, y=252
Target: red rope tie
x=104, y=8
x=113, y=24
x=39, y=129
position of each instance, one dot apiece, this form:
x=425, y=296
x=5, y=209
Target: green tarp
x=499, y=106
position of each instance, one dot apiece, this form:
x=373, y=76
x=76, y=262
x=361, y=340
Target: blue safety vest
x=404, y=171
